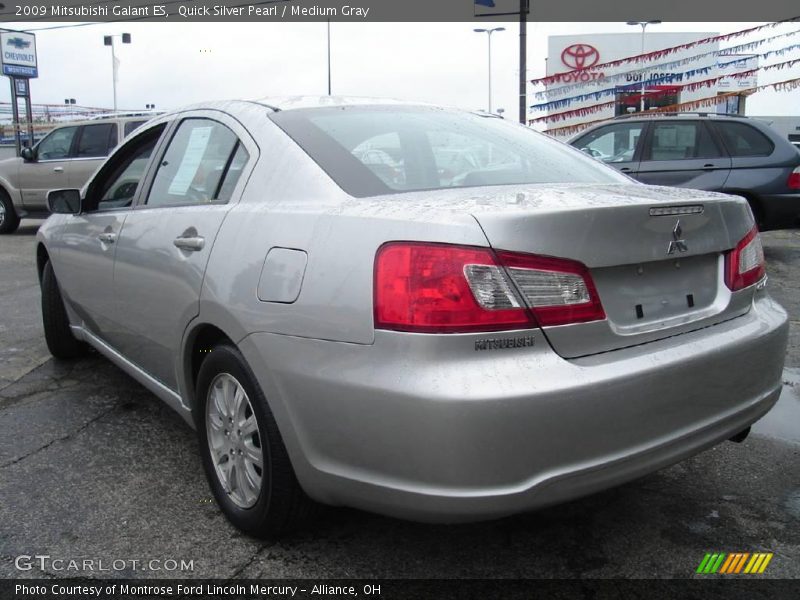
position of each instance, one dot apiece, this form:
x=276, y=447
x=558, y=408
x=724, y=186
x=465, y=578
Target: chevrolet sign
x=18, y=54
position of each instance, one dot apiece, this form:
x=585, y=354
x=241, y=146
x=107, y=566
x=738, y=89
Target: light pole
x=329, y=57
x=489, y=32
x=108, y=40
x=643, y=25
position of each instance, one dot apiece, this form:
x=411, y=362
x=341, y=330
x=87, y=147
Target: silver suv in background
x=65, y=158
x=703, y=151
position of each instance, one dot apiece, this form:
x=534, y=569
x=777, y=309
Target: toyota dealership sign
x=579, y=65
x=580, y=56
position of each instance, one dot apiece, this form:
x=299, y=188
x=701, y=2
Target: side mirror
x=65, y=202
x=27, y=154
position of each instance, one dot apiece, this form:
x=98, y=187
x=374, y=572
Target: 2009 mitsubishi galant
x=412, y=310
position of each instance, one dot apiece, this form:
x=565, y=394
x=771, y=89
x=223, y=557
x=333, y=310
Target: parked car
x=65, y=157
x=720, y=153
x=407, y=345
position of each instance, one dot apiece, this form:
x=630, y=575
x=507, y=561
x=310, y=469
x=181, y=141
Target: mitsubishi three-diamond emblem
x=677, y=243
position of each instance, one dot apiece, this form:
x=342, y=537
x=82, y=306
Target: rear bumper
x=428, y=428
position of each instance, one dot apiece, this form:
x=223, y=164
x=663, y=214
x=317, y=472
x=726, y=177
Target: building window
x=656, y=96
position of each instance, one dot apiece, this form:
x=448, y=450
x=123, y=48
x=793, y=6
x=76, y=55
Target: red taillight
x=424, y=288
x=794, y=179
x=440, y=288
x=744, y=265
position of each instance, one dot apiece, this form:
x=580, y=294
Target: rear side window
x=96, y=140
x=194, y=166
x=132, y=125
x=376, y=150
x=238, y=161
x=744, y=140
x=679, y=141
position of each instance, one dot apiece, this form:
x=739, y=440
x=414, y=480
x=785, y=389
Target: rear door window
x=681, y=140
x=96, y=140
x=744, y=140
x=194, y=165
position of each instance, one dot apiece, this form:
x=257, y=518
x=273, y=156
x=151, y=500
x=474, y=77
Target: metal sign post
x=18, y=60
x=15, y=116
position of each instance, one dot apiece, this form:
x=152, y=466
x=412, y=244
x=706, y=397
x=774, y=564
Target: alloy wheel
x=234, y=440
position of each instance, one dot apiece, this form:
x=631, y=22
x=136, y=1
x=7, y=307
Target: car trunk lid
x=656, y=255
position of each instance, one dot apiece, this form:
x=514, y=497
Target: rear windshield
x=371, y=151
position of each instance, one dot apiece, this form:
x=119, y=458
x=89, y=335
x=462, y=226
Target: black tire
x=9, y=220
x=57, y=334
x=282, y=504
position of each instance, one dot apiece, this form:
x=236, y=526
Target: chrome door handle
x=192, y=244
x=107, y=238
x=58, y=169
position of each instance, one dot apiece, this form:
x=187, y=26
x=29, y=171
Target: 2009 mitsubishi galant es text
x=412, y=310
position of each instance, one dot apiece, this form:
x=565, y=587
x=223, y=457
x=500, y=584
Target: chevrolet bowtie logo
x=18, y=43
x=677, y=243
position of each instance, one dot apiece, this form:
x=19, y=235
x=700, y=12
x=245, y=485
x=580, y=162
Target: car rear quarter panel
x=765, y=179
x=291, y=203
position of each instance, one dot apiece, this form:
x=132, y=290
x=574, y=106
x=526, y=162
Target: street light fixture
x=108, y=40
x=643, y=25
x=489, y=32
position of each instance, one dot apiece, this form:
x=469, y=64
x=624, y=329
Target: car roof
x=242, y=107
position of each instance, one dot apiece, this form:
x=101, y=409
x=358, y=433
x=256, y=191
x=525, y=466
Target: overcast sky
x=444, y=63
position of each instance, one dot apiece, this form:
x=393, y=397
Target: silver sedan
x=412, y=310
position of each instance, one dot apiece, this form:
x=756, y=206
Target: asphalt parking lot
x=92, y=466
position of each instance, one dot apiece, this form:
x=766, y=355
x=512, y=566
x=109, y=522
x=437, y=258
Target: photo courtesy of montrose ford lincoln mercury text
x=411, y=310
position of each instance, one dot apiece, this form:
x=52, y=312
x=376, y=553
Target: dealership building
x=585, y=91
